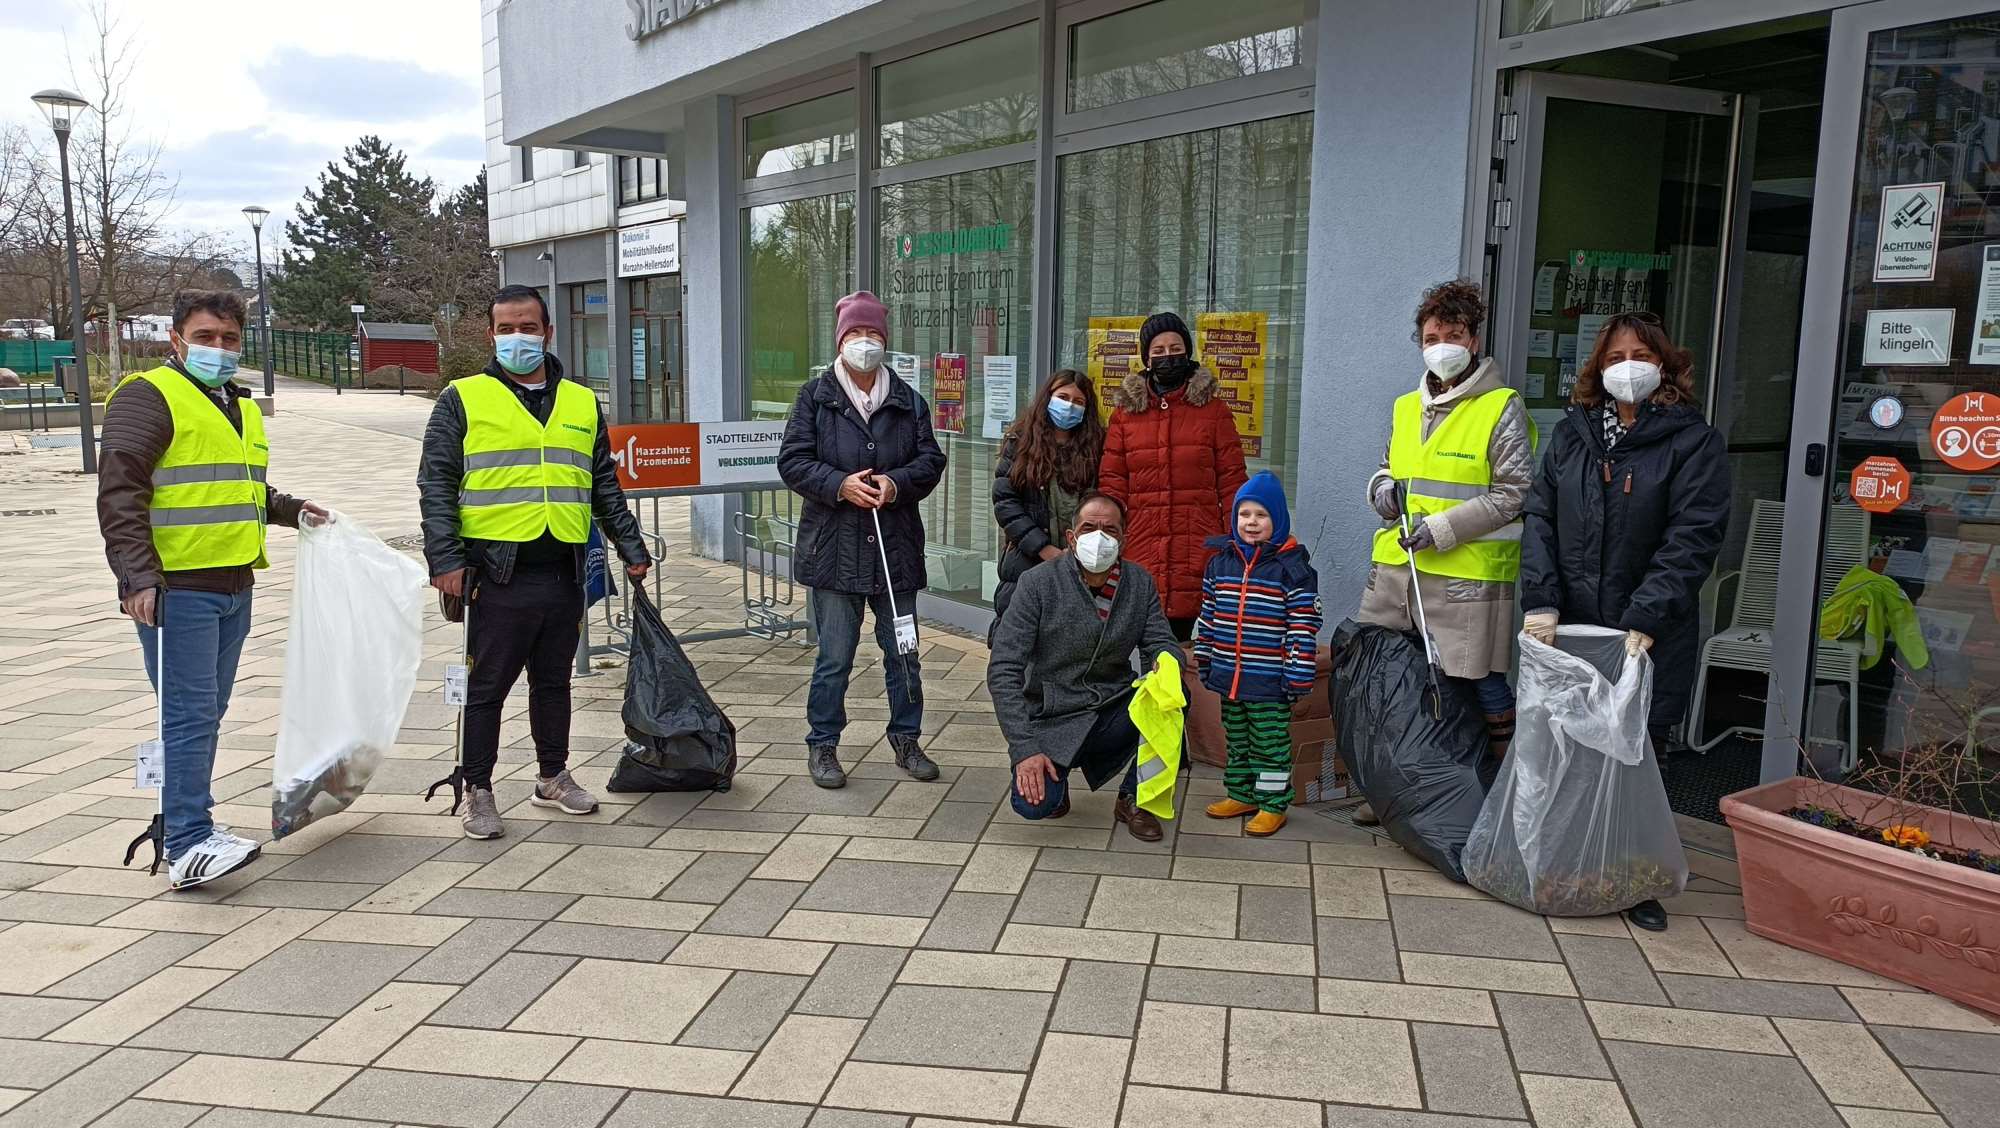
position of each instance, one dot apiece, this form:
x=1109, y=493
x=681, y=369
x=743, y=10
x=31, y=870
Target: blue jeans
x=836, y=619
x=1112, y=735
x=204, y=634
x=1495, y=696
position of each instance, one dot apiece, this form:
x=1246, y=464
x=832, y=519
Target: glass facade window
x=1174, y=45
x=659, y=382
x=798, y=259
x=641, y=179
x=959, y=99
x=589, y=350
x=1916, y=459
x=805, y=135
x=1519, y=17
x=956, y=271
x=1211, y=225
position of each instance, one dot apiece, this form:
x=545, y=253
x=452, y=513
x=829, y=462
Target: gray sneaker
x=482, y=815
x=823, y=761
x=910, y=757
x=564, y=794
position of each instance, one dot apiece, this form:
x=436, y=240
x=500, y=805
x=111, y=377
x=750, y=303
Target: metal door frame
x=1822, y=332
x=1516, y=266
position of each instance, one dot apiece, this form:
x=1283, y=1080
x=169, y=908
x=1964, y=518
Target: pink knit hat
x=860, y=310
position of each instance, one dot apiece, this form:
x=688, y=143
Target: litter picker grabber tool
x=905, y=625
x=149, y=766
x=456, y=679
x=1417, y=604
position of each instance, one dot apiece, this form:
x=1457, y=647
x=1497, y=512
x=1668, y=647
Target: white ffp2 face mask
x=1445, y=360
x=1096, y=551
x=862, y=354
x=1632, y=381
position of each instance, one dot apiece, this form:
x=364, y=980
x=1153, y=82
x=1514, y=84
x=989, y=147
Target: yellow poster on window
x=1112, y=351
x=1234, y=346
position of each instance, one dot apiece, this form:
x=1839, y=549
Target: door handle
x=1815, y=459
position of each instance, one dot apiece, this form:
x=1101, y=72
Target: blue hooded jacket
x=1258, y=635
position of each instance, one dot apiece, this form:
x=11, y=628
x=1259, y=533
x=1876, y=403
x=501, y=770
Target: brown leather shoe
x=1143, y=825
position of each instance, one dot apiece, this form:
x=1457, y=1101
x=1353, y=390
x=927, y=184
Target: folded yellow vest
x=1159, y=712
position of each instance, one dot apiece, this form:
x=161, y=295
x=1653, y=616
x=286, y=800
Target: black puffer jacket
x=1022, y=512
x=825, y=441
x=1626, y=539
x=442, y=470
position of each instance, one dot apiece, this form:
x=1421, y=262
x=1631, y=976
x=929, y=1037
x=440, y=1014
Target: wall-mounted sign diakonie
x=652, y=248
x=651, y=16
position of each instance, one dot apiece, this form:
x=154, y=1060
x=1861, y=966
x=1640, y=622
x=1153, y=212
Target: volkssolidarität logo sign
x=957, y=241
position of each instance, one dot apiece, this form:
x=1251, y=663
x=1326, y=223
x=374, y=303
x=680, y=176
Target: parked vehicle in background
x=24, y=328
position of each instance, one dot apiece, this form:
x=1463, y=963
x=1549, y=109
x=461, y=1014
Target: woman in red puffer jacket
x=1173, y=457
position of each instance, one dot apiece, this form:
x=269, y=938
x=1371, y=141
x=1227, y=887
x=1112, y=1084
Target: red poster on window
x=948, y=394
x=1879, y=484
x=1966, y=431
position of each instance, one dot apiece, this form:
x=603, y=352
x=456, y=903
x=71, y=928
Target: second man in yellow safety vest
x=516, y=467
x=1462, y=454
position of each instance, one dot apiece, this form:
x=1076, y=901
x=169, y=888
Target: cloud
x=457, y=147
x=356, y=88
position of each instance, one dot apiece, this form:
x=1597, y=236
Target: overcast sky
x=251, y=98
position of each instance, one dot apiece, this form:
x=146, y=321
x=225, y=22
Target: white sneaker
x=232, y=835
x=222, y=854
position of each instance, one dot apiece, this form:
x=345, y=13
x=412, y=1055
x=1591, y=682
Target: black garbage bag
x=1419, y=765
x=678, y=739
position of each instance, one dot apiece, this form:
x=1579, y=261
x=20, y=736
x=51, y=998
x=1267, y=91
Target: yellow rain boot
x=1266, y=824
x=1230, y=809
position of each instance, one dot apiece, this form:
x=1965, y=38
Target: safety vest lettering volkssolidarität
x=1449, y=467
x=207, y=509
x=524, y=478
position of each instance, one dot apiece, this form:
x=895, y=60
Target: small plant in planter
x=1894, y=869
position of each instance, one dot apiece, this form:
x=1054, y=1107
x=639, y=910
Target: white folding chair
x=1746, y=644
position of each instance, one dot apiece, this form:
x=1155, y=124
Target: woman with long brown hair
x=1048, y=461
x=1627, y=515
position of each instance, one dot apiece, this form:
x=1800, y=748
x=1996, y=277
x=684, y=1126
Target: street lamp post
x=62, y=108
x=256, y=216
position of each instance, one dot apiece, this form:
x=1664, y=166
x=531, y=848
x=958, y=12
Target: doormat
x=1697, y=782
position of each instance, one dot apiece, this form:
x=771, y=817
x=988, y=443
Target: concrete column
x=712, y=302
x=1391, y=114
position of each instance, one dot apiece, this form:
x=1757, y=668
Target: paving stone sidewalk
x=892, y=955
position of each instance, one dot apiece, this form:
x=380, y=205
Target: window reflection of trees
x=800, y=261
x=1140, y=53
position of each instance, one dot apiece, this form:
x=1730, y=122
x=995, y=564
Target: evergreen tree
x=344, y=241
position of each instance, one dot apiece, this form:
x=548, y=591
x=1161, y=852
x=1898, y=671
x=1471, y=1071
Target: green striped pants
x=1260, y=753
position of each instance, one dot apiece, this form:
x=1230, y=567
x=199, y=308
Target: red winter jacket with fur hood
x=1176, y=462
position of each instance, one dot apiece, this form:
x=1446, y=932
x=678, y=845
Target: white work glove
x=1541, y=626
x=1384, y=499
x=1637, y=643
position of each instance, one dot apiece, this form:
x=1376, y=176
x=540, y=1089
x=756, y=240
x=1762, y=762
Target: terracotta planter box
x=1931, y=924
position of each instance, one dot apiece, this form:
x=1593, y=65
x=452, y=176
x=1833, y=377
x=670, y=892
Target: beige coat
x=1472, y=620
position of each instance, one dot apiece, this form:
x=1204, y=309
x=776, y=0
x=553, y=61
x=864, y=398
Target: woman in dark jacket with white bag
x=859, y=449
x=1626, y=517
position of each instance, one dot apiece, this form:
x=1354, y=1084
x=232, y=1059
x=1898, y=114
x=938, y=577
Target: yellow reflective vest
x=207, y=509
x=1159, y=712
x=1449, y=467
x=522, y=477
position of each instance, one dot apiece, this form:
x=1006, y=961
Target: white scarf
x=866, y=404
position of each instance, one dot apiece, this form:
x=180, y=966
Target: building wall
x=559, y=200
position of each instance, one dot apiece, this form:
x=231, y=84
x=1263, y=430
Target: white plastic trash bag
x=350, y=666
x=1578, y=824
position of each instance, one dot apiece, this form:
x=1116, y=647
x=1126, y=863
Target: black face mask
x=1170, y=372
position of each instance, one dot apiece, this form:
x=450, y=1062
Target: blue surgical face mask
x=1064, y=414
x=519, y=353
x=210, y=365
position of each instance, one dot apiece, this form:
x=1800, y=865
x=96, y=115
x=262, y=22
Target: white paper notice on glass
x=1906, y=236
x=1985, y=347
x=904, y=365
x=1538, y=385
x=1587, y=327
x=1545, y=287
x=454, y=685
x=149, y=765
x=1541, y=342
x=1566, y=347
x=999, y=374
x=1904, y=337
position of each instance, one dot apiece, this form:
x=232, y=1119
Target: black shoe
x=1649, y=915
x=823, y=761
x=910, y=757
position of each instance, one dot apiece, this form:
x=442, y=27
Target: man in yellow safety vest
x=182, y=504
x=516, y=467
x=1462, y=456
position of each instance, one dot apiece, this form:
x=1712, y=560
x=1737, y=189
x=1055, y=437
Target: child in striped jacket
x=1257, y=644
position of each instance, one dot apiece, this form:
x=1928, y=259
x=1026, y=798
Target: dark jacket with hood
x=1023, y=513
x=1258, y=635
x=825, y=441
x=1175, y=460
x=1625, y=538
x=442, y=471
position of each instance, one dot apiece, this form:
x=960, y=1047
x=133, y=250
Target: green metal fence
x=328, y=358
x=33, y=357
